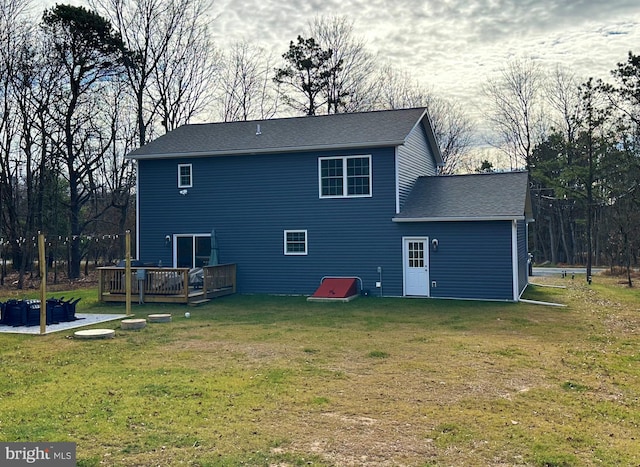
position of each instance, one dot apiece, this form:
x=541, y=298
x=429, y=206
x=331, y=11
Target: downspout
x=514, y=259
x=397, y=177
x=137, y=162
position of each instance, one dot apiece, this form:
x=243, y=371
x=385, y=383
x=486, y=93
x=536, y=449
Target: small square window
x=185, y=176
x=295, y=242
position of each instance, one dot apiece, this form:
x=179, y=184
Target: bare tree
x=173, y=63
x=183, y=84
x=16, y=144
x=515, y=110
x=397, y=89
x=352, y=87
x=114, y=180
x=555, y=207
x=246, y=90
x=140, y=23
x=563, y=95
x=453, y=129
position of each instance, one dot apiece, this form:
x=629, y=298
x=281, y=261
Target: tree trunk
x=552, y=241
x=563, y=237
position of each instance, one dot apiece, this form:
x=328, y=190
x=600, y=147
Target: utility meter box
x=141, y=274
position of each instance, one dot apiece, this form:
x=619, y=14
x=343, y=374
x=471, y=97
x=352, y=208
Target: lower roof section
x=476, y=197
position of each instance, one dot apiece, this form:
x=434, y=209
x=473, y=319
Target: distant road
x=559, y=271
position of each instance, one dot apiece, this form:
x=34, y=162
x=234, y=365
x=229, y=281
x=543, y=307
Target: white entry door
x=416, y=266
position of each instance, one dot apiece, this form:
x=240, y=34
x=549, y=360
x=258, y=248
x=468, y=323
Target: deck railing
x=153, y=284
x=219, y=280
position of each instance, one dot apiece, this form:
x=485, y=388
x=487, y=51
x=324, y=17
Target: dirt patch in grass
x=354, y=406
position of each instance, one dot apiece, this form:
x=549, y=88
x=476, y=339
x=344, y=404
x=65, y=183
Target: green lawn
x=259, y=380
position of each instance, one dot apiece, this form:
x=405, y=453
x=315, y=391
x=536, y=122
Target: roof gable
x=336, y=131
x=498, y=196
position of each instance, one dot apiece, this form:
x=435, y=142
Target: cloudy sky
x=450, y=46
x=453, y=46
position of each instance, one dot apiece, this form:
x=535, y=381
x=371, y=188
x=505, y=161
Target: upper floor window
x=345, y=176
x=185, y=179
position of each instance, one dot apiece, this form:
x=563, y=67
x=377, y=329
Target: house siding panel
x=461, y=268
x=415, y=159
x=250, y=201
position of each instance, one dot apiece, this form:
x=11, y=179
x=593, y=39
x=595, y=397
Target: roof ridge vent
x=258, y=130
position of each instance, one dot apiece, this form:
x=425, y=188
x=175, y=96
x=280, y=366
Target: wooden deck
x=166, y=285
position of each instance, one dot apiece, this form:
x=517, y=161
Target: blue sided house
x=291, y=201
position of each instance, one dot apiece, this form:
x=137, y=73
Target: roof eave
x=251, y=152
x=458, y=219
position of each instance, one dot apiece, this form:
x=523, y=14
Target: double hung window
x=185, y=178
x=345, y=176
x=295, y=242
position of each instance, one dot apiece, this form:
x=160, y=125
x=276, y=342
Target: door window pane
x=416, y=254
x=184, y=253
x=203, y=251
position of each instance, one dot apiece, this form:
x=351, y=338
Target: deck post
x=127, y=273
x=185, y=282
x=205, y=281
x=100, y=286
x=233, y=269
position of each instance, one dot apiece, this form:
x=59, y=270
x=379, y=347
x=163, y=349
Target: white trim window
x=185, y=176
x=344, y=176
x=295, y=242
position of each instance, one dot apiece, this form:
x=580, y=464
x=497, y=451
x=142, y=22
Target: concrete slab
x=84, y=319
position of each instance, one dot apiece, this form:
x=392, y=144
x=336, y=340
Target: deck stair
x=199, y=302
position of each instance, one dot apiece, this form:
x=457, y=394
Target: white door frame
x=426, y=292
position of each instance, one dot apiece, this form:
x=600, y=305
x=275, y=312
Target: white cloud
x=456, y=44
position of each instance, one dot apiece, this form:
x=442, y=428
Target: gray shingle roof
x=338, y=131
x=499, y=196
